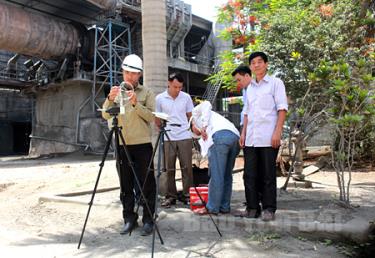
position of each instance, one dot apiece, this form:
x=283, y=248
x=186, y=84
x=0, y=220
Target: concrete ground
x=36, y=221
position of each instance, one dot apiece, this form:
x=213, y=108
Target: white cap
x=132, y=63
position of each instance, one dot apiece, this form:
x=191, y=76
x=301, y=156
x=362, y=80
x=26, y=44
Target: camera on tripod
x=113, y=111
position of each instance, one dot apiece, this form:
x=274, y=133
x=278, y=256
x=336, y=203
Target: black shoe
x=129, y=226
x=268, y=215
x=224, y=211
x=184, y=198
x=167, y=203
x=250, y=214
x=147, y=229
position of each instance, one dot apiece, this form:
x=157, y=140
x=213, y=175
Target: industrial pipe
x=35, y=35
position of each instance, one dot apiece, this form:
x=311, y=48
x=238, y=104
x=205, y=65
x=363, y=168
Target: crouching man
x=219, y=138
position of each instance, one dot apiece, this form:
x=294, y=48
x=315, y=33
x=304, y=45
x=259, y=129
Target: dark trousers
x=260, y=177
x=140, y=155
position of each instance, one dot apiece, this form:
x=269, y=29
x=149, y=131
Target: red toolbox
x=195, y=201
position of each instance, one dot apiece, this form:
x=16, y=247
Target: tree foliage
x=323, y=50
x=302, y=38
x=352, y=113
x=297, y=35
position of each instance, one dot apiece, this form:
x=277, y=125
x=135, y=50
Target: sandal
x=201, y=211
x=204, y=211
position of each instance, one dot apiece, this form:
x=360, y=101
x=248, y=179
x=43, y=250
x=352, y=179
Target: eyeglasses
x=176, y=76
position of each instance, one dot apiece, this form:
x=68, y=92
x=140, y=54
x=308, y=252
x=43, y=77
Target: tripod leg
x=96, y=185
x=138, y=183
x=160, y=144
x=205, y=205
x=156, y=187
x=149, y=170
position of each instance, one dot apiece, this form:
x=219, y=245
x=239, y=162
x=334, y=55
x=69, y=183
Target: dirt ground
x=31, y=225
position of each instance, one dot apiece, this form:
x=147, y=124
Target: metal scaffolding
x=112, y=44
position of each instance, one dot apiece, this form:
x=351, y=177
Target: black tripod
x=116, y=130
x=159, y=145
x=161, y=158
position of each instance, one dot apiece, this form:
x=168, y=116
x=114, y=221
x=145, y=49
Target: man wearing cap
x=136, y=129
x=178, y=105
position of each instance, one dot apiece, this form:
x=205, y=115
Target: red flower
x=252, y=40
x=326, y=10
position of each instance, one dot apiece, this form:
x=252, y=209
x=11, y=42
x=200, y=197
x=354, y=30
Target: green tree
x=297, y=35
x=350, y=86
x=306, y=41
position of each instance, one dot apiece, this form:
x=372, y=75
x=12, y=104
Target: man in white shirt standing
x=242, y=76
x=220, y=137
x=178, y=105
x=264, y=116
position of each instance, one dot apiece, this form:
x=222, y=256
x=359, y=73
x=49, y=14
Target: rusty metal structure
x=56, y=30
x=50, y=39
x=45, y=44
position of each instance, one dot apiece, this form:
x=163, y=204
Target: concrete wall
x=322, y=137
x=220, y=44
x=56, y=113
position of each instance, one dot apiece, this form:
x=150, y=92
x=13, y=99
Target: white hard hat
x=132, y=63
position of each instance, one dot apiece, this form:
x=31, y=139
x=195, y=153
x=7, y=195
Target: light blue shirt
x=264, y=100
x=176, y=110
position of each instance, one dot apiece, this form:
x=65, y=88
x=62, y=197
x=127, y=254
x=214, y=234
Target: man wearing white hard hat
x=138, y=103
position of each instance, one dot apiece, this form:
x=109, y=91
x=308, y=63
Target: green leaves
x=349, y=120
x=300, y=111
x=224, y=75
x=367, y=78
x=322, y=50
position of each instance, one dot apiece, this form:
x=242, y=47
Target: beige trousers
x=183, y=151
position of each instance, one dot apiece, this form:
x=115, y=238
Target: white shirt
x=176, y=110
x=203, y=116
x=244, y=101
x=264, y=100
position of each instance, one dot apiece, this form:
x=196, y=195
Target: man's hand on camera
x=115, y=90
